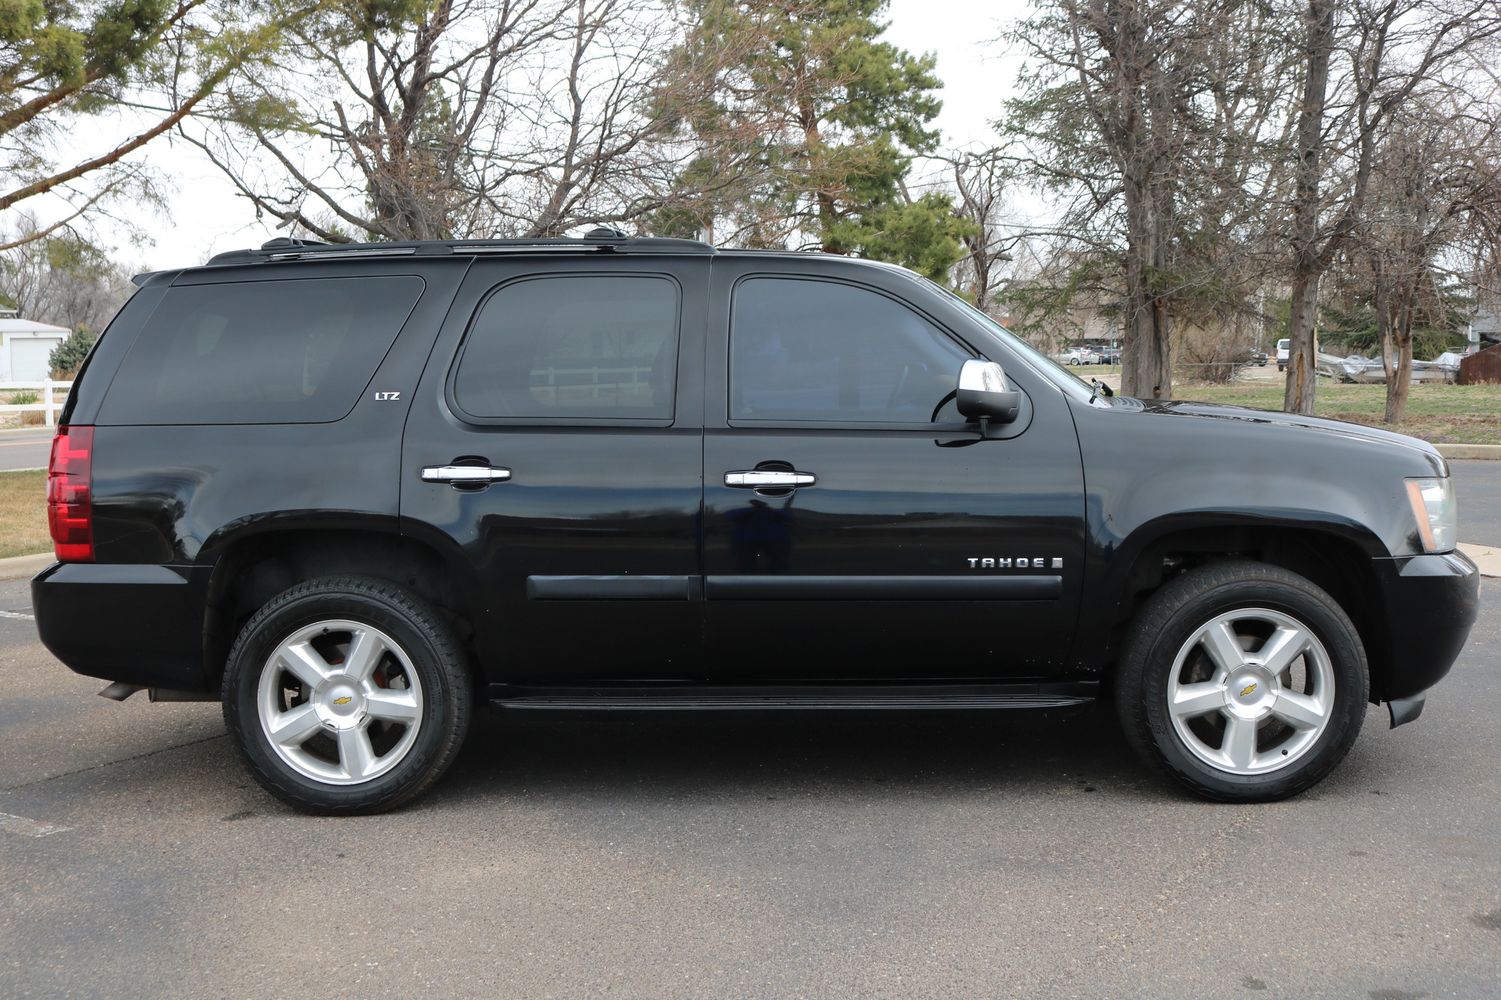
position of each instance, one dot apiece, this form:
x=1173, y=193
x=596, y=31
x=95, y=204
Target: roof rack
x=602, y=239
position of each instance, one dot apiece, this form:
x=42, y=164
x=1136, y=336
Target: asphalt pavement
x=797, y=855
x=1477, y=486
x=25, y=449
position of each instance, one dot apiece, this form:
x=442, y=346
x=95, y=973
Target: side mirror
x=984, y=394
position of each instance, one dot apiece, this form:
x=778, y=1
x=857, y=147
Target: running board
x=905, y=697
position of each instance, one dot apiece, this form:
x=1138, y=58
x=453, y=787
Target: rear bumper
x=1429, y=604
x=141, y=624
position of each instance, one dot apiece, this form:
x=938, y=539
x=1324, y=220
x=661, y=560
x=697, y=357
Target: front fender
x=1156, y=476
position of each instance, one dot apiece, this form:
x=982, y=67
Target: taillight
x=69, y=506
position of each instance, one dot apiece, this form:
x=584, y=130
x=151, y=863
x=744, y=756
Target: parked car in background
x=1080, y=356
x=1283, y=354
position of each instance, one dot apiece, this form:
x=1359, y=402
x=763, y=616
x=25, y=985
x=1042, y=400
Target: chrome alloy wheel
x=340, y=702
x=1251, y=691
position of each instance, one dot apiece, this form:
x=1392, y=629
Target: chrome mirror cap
x=984, y=393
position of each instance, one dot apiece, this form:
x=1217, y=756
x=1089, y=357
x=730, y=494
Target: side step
x=838, y=697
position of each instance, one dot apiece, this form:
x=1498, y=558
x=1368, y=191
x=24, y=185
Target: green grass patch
x=23, y=513
x=1450, y=414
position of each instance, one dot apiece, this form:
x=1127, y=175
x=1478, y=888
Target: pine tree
x=810, y=122
x=63, y=62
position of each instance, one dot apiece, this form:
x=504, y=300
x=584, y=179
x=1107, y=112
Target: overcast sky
x=206, y=217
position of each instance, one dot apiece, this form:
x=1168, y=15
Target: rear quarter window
x=260, y=352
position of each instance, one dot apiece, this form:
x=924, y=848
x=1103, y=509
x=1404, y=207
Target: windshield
x=1040, y=362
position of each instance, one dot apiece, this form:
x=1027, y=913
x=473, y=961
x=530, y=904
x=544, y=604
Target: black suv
x=354, y=491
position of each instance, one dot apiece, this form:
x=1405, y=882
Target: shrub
x=66, y=358
x=23, y=397
x=1202, y=355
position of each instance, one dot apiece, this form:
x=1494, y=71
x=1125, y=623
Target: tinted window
x=260, y=352
x=815, y=350
x=572, y=346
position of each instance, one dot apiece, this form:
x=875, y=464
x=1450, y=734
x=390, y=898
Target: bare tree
x=1388, y=53
x=1148, y=120
x=1435, y=199
x=463, y=118
x=981, y=184
x=62, y=279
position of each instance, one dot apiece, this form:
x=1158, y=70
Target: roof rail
x=602, y=239
x=287, y=243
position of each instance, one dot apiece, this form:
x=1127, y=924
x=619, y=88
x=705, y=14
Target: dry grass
x=23, y=513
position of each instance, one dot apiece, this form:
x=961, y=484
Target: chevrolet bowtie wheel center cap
x=1250, y=694
x=340, y=703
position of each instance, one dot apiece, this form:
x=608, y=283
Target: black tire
x=1167, y=622
x=438, y=661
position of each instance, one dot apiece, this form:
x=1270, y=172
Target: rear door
x=554, y=449
x=854, y=528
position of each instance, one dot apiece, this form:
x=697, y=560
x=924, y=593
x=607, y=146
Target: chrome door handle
x=768, y=479
x=464, y=475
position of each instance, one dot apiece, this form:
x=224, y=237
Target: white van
x=1282, y=353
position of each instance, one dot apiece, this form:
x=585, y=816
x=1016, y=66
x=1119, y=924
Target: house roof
x=1487, y=321
x=9, y=324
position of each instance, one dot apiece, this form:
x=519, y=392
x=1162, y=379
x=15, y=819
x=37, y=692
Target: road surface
x=700, y=855
x=25, y=449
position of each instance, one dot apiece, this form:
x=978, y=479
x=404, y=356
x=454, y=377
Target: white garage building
x=25, y=347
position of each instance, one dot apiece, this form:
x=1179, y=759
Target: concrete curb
x=20, y=567
x=1487, y=557
x=1471, y=451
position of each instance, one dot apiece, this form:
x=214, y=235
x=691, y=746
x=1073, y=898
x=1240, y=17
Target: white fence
x=50, y=402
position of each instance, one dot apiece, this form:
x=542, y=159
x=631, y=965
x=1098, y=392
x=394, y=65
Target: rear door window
x=260, y=352
x=572, y=347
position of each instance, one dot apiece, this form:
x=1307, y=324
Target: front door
x=854, y=528
x=555, y=453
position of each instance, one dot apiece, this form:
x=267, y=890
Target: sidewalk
x=1487, y=557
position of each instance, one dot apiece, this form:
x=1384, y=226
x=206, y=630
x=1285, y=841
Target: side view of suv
x=355, y=491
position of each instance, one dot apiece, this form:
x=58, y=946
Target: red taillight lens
x=69, y=506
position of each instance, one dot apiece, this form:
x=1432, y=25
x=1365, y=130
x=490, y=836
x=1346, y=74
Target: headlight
x=1434, y=509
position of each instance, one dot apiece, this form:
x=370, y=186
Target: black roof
x=602, y=240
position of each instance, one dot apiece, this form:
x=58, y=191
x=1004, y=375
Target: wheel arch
x=1335, y=555
x=255, y=565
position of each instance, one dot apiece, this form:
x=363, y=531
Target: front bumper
x=1428, y=605
x=140, y=624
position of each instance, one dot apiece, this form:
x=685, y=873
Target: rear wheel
x=346, y=695
x=1244, y=682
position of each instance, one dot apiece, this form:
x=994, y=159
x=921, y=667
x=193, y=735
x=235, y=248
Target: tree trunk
x=1308, y=266
x=1146, y=144
x=1383, y=323
x=1145, y=371
x=1399, y=382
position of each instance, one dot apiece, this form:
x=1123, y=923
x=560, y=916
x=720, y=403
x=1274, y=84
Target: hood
x=1225, y=411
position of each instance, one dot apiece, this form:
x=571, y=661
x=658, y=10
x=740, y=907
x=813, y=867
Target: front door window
x=807, y=350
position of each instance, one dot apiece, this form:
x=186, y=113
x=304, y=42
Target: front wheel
x=1243, y=681
x=346, y=695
